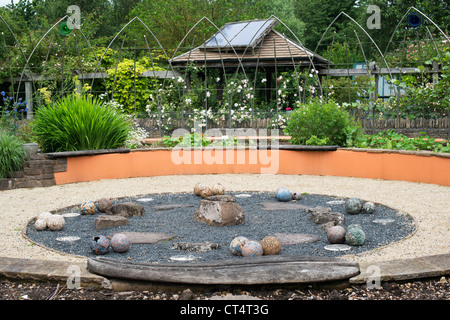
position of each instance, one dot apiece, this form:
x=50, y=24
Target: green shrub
x=12, y=154
x=79, y=123
x=326, y=121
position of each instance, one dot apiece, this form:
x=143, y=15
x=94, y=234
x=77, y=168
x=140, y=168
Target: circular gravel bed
x=258, y=224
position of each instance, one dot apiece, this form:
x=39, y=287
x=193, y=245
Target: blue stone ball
x=88, y=208
x=237, y=244
x=120, y=243
x=284, y=195
x=100, y=245
x=252, y=249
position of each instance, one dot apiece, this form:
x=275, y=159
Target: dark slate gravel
x=258, y=224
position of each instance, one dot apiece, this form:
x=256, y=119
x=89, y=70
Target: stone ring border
x=30, y=220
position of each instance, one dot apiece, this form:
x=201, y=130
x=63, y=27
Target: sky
x=5, y=2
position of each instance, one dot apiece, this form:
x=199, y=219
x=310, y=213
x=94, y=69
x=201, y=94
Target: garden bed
x=260, y=221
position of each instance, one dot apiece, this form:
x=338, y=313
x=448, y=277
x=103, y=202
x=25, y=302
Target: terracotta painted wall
x=388, y=166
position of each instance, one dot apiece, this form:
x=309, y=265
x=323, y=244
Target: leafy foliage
x=12, y=153
x=322, y=120
x=392, y=140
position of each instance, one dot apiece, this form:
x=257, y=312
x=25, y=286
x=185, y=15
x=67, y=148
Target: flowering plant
x=11, y=112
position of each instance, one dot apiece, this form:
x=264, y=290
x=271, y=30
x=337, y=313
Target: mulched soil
x=429, y=289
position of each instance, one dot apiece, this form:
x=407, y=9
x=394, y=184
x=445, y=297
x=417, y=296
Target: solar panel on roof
x=240, y=34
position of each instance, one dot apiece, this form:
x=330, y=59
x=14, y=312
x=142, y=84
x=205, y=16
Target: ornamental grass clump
x=12, y=153
x=79, y=123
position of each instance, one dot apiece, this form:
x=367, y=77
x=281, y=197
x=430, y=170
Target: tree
x=284, y=10
x=317, y=16
x=393, y=11
x=171, y=20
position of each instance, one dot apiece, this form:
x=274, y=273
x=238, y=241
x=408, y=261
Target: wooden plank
x=100, y=75
x=245, y=271
x=359, y=72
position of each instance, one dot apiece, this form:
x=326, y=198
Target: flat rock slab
x=110, y=221
x=196, y=247
x=296, y=238
x=170, y=206
x=126, y=209
x=405, y=269
x=277, y=206
x=147, y=237
x=242, y=271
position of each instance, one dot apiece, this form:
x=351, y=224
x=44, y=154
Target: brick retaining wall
x=38, y=172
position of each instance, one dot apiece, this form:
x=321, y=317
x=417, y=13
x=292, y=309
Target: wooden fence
x=436, y=128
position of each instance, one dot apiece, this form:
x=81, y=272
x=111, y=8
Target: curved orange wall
x=388, y=166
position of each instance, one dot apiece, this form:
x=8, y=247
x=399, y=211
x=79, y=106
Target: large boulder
x=125, y=209
x=219, y=211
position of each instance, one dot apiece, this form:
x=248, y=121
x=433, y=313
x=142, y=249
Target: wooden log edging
x=243, y=271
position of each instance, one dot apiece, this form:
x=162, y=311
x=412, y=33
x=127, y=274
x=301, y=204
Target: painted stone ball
x=103, y=204
x=100, y=245
x=120, y=243
x=355, y=236
x=199, y=186
x=271, y=245
x=283, y=194
x=237, y=244
x=218, y=189
x=353, y=205
x=296, y=195
x=336, y=234
x=56, y=222
x=40, y=224
x=44, y=215
x=88, y=208
x=252, y=249
x=206, y=192
x=369, y=207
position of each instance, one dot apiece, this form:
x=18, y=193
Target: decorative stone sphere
x=354, y=225
x=88, y=208
x=218, y=189
x=44, y=215
x=120, y=243
x=353, y=205
x=336, y=234
x=252, y=249
x=199, y=186
x=355, y=236
x=40, y=224
x=283, y=195
x=56, y=222
x=237, y=244
x=369, y=207
x=100, y=245
x=206, y=192
x=271, y=245
x=103, y=204
x=296, y=195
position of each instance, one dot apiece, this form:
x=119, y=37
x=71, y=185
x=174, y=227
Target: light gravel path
x=428, y=204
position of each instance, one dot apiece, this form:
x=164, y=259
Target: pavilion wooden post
x=29, y=98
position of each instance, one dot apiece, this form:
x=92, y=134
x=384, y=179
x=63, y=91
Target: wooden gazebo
x=251, y=44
